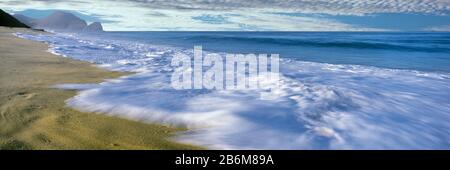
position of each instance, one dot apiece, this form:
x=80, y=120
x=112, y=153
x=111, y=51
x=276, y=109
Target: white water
x=318, y=106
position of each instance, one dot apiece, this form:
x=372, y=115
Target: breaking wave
x=317, y=106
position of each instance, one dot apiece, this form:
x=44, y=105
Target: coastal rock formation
x=94, y=27
x=9, y=21
x=60, y=21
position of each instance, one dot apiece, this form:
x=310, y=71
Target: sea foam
x=316, y=106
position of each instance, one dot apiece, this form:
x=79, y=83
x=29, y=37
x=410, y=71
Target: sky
x=248, y=15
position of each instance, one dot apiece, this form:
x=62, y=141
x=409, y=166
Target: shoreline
x=34, y=116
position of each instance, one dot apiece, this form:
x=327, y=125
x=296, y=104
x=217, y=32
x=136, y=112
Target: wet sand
x=34, y=116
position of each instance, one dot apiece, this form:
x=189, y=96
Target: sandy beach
x=34, y=116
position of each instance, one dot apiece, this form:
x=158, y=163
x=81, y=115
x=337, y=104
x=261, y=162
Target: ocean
x=338, y=90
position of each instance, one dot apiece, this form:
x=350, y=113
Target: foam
x=317, y=106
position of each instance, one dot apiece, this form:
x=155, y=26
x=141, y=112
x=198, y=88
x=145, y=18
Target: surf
x=317, y=105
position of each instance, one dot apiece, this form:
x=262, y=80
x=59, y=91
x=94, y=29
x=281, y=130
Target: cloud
x=211, y=15
x=347, y=7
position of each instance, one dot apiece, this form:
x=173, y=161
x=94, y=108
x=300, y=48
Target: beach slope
x=34, y=116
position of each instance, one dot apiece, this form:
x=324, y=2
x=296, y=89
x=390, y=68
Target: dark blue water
x=414, y=51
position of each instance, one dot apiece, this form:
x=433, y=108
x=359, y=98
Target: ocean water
x=337, y=90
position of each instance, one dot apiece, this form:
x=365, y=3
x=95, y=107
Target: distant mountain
x=60, y=20
x=9, y=21
x=24, y=19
